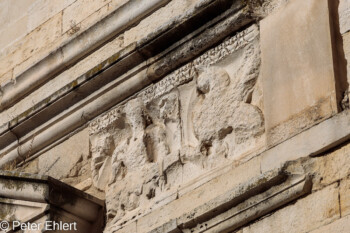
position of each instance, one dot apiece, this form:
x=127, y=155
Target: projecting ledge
x=36, y=200
x=229, y=210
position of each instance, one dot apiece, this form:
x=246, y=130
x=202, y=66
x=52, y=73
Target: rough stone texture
x=268, y=7
x=236, y=208
x=196, y=137
x=311, y=142
x=318, y=209
x=42, y=10
x=69, y=161
x=344, y=191
x=85, y=185
x=167, y=137
x=78, y=11
x=65, y=159
x=199, y=196
x=340, y=226
x=7, y=76
x=346, y=44
x=332, y=167
x=344, y=14
x=298, y=78
x=28, y=198
x=305, y=215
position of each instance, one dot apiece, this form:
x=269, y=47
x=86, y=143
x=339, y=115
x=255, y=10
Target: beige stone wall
x=247, y=133
x=35, y=28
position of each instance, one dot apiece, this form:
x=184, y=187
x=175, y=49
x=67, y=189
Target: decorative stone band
x=252, y=208
x=190, y=70
x=70, y=53
x=185, y=73
x=29, y=198
x=312, y=142
x=48, y=129
x=122, y=61
x=232, y=209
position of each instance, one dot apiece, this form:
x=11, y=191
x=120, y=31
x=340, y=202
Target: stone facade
x=181, y=115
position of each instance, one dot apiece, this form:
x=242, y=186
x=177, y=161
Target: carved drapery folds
x=197, y=118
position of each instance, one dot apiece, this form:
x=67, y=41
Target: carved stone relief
x=195, y=119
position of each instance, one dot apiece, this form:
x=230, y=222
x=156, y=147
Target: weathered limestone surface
x=157, y=20
x=305, y=215
x=61, y=80
x=20, y=18
x=29, y=198
x=344, y=191
x=45, y=34
x=37, y=16
x=344, y=14
x=7, y=76
x=54, y=164
x=311, y=142
x=340, y=226
x=346, y=45
x=78, y=11
x=172, y=133
x=245, y=135
x=68, y=161
x=314, y=211
x=297, y=68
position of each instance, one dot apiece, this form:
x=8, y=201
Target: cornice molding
x=121, y=76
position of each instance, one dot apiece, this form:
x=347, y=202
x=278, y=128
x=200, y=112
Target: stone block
x=344, y=191
x=39, y=55
x=6, y=77
x=344, y=15
x=313, y=141
x=12, y=11
x=131, y=227
x=78, y=11
x=42, y=10
x=13, y=32
x=339, y=226
x=31, y=167
x=38, y=40
x=346, y=46
x=240, y=173
x=59, y=161
x=330, y=168
x=199, y=195
x=59, y=81
x=91, y=20
x=299, y=81
x=84, y=185
x=160, y=18
x=307, y=214
x=115, y=4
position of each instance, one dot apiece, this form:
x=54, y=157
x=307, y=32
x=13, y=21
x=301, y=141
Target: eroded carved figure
x=197, y=118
